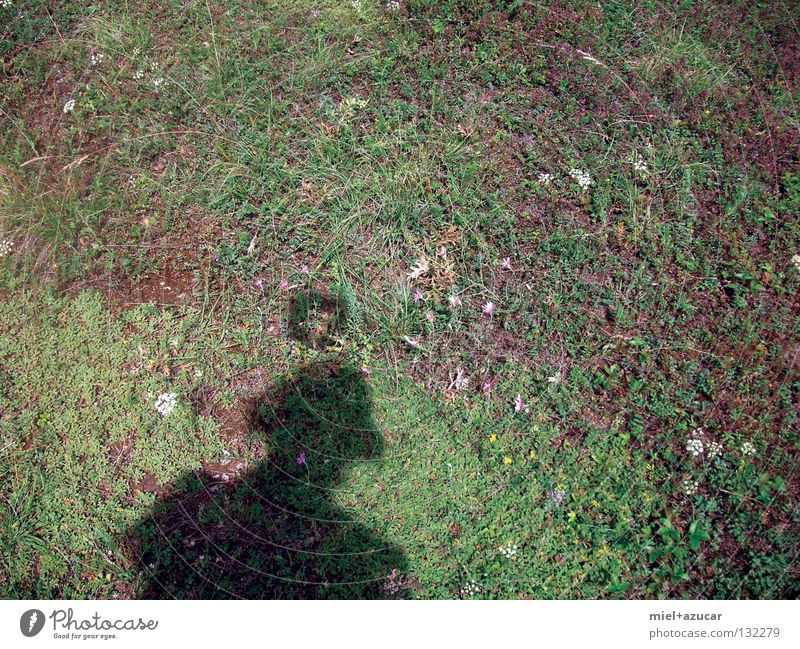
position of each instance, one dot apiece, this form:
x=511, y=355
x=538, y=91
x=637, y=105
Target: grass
x=230, y=213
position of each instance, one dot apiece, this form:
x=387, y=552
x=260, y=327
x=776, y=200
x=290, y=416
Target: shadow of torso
x=275, y=531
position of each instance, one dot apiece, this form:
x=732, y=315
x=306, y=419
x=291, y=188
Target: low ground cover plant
x=416, y=299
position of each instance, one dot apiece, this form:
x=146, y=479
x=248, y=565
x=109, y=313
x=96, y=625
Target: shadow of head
x=273, y=529
x=318, y=423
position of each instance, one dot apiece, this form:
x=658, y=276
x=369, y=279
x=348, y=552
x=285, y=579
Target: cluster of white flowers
x=349, y=105
x=393, y=5
x=5, y=247
x=165, y=403
x=639, y=165
x=470, y=589
x=545, y=178
x=140, y=73
x=356, y=4
x=582, y=177
x=694, y=446
x=748, y=449
x=97, y=58
x=556, y=496
x=796, y=262
x=5, y=3
x=508, y=550
x=69, y=106
x=690, y=486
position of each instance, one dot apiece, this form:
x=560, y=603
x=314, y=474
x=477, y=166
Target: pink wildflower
x=505, y=263
x=418, y=295
x=519, y=404
x=488, y=308
x=283, y=285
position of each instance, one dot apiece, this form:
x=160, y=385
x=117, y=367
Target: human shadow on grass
x=275, y=531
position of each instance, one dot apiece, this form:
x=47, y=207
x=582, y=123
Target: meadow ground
x=427, y=299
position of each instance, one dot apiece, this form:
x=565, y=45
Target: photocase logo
x=31, y=622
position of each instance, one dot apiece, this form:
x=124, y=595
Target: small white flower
x=470, y=589
x=69, y=106
x=5, y=247
x=508, y=550
x=796, y=262
x=582, y=177
x=690, y=486
x=393, y=5
x=356, y=4
x=158, y=82
x=545, y=178
x=6, y=3
x=556, y=378
x=419, y=269
x=165, y=403
x=97, y=58
x=454, y=300
x=139, y=74
x=748, y=450
x=715, y=449
x=639, y=165
x=414, y=342
x=694, y=446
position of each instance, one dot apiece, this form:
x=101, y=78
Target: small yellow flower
x=533, y=455
x=507, y=460
x=571, y=516
x=492, y=437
